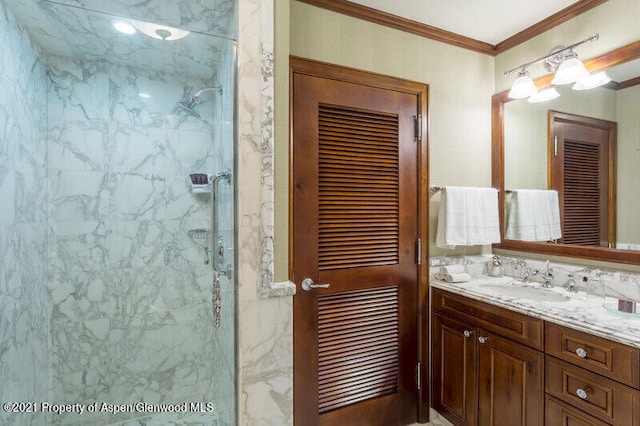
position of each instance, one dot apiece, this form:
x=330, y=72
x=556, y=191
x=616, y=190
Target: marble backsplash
x=622, y=285
x=25, y=307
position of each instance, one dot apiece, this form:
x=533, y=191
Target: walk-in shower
x=117, y=293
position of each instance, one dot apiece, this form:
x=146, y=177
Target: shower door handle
x=218, y=261
x=307, y=284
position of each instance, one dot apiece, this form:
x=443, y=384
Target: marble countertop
x=582, y=312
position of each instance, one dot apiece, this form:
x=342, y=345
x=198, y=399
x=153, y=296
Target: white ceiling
x=491, y=21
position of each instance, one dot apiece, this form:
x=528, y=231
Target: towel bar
x=435, y=189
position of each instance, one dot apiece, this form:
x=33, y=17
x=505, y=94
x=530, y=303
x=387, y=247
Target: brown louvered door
x=582, y=170
x=355, y=225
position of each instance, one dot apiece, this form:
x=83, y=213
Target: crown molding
x=628, y=83
x=546, y=24
x=393, y=21
x=365, y=13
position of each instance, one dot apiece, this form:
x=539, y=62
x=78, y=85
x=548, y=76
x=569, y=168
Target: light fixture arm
x=554, y=53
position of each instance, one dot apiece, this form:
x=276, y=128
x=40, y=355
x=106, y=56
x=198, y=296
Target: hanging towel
x=534, y=215
x=467, y=217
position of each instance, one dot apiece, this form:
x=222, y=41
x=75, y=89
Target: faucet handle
x=546, y=277
x=570, y=285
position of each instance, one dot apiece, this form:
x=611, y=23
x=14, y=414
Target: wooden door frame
x=310, y=67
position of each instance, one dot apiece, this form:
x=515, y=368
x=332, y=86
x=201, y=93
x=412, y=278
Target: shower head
x=190, y=105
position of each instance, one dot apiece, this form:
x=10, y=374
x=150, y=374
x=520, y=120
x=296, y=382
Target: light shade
x=570, y=71
x=591, y=81
x=544, y=95
x=523, y=86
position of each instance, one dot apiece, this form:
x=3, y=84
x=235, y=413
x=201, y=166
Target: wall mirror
x=521, y=149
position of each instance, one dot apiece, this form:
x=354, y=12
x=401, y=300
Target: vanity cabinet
x=591, y=378
x=487, y=363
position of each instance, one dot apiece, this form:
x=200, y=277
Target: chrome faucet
x=546, y=276
x=570, y=285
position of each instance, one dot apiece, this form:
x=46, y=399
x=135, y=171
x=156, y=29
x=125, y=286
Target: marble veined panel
x=103, y=293
x=142, y=335
x=25, y=308
x=133, y=315
x=209, y=16
x=86, y=32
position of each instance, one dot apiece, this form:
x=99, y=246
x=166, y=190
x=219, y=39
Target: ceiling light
x=160, y=32
x=570, y=71
x=594, y=80
x=124, y=27
x=523, y=87
x=544, y=95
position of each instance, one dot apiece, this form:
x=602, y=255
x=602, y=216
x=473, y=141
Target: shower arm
x=217, y=265
x=206, y=89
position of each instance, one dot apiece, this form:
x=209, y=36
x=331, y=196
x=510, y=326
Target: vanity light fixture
x=523, y=87
x=544, y=95
x=566, y=65
x=571, y=69
x=594, y=80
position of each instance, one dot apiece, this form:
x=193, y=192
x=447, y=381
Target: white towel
x=534, y=215
x=468, y=217
x=452, y=269
x=462, y=277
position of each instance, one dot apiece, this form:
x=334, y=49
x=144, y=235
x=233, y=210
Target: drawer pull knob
x=581, y=353
x=482, y=339
x=582, y=394
x=467, y=333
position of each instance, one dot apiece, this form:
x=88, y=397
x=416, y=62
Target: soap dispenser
x=495, y=268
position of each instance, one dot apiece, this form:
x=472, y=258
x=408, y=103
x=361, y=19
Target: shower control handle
x=307, y=284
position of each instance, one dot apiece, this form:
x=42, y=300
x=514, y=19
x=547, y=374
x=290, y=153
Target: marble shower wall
x=132, y=298
x=24, y=305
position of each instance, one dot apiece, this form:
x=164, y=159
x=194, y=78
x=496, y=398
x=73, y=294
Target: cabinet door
x=510, y=383
x=561, y=414
x=454, y=350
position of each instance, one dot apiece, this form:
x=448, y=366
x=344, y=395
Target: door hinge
x=419, y=375
x=555, y=146
x=417, y=121
x=419, y=251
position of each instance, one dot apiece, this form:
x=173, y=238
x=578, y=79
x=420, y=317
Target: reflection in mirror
x=525, y=150
x=569, y=149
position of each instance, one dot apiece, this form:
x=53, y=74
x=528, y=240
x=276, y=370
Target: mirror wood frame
x=617, y=56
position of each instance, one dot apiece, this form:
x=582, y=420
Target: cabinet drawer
x=603, y=398
x=512, y=325
x=611, y=359
x=558, y=413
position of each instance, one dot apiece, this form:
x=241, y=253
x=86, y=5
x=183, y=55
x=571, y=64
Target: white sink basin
x=530, y=293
